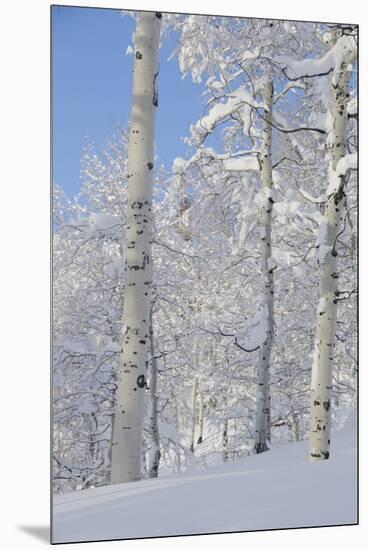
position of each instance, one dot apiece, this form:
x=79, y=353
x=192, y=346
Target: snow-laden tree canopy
x=243, y=235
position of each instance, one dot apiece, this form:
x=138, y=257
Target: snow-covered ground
x=276, y=489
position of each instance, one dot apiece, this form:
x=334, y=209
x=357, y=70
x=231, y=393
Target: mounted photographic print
x=204, y=375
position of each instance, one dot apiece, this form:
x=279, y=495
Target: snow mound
x=277, y=489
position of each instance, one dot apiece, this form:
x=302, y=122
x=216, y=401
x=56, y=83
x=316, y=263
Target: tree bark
x=155, y=453
x=194, y=408
x=200, y=418
x=225, y=441
x=295, y=427
x=321, y=384
x=131, y=380
x=262, y=424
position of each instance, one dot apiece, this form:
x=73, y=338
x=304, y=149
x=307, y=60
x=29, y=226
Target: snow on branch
x=249, y=349
x=280, y=124
x=352, y=106
x=241, y=164
x=343, y=51
x=221, y=111
x=289, y=86
x=346, y=164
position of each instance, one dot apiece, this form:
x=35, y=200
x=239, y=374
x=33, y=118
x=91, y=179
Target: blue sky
x=92, y=80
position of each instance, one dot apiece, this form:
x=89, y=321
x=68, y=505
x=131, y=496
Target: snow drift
x=277, y=489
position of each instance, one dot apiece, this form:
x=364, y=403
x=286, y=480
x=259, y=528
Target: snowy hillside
x=276, y=489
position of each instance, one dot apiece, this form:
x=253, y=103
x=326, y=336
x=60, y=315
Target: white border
x=25, y=285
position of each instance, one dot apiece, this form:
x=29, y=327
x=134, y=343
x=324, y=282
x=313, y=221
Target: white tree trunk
x=321, y=384
x=194, y=408
x=128, y=421
x=200, y=418
x=295, y=427
x=155, y=453
x=225, y=441
x=262, y=424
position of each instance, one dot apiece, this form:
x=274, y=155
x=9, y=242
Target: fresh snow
x=241, y=164
x=179, y=165
x=221, y=111
x=250, y=55
x=90, y=345
x=353, y=106
x=237, y=496
x=332, y=60
x=344, y=165
x=102, y=222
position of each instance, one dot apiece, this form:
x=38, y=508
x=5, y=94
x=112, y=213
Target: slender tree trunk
x=128, y=421
x=225, y=441
x=194, y=410
x=154, y=454
x=321, y=384
x=178, y=428
x=200, y=418
x=295, y=427
x=337, y=396
x=262, y=425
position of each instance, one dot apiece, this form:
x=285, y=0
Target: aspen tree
x=155, y=453
x=335, y=206
x=262, y=427
x=131, y=379
x=200, y=418
x=194, y=409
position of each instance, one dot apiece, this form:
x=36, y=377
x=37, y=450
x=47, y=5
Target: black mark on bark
x=155, y=93
x=141, y=381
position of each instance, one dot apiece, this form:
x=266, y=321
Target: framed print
x=204, y=273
